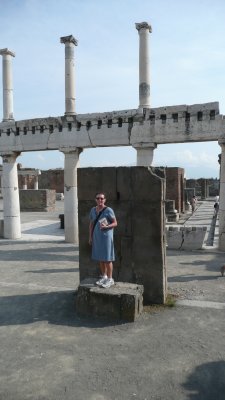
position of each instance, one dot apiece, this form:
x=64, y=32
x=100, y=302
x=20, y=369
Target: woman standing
x=102, y=222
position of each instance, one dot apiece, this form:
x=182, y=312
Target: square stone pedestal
x=122, y=301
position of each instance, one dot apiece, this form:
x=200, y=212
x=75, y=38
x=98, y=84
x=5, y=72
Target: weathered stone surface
x=123, y=301
x=117, y=128
x=1, y=227
x=37, y=200
x=136, y=194
x=185, y=237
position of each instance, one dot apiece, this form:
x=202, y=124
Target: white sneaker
x=102, y=280
x=108, y=283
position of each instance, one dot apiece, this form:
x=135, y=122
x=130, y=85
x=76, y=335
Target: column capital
x=143, y=145
x=6, y=52
x=143, y=25
x=69, y=39
x=71, y=150
x=10, y=156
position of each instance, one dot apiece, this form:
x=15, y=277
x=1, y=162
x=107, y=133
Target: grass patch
x=170, y=302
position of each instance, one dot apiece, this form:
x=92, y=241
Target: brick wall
x=175, y=187
x=52, y=179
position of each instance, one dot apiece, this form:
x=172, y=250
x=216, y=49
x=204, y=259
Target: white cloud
x=40, y=157
x=190, y=159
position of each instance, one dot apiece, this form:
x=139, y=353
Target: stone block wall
x=137, y=196
x=52, y=179
x=37, y=200
x=185, y=237
x=30, y=180
x=175, y=187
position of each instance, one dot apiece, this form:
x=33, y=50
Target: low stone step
x=122, y=301
x=185, y=237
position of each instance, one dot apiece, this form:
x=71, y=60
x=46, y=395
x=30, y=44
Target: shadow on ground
x=41, y=253
x=56, y=308
x=207, y=382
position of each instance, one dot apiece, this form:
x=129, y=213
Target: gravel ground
x=48, y=353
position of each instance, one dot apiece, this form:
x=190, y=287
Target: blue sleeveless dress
x=102, y=240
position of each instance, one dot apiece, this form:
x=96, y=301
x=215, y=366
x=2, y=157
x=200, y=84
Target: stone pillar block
x=123, y=301
x=136, y=195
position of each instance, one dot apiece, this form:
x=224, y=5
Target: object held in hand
x=103, y=222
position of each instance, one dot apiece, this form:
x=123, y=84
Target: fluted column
x=222, y=199
x=144, y=65
x=70, y=42
x=7, y=84
x=70, y=194
x=10, y=191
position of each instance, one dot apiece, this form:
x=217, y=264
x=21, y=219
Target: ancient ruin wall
x=137, y=196
x=175, y=187
x=37, y=200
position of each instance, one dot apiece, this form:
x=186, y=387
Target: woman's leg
x=109, y=269
x=103, y=268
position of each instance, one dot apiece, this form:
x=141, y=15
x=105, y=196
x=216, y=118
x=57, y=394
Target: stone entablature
x=173, y=124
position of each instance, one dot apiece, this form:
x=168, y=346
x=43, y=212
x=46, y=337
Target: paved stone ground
x=48, y=353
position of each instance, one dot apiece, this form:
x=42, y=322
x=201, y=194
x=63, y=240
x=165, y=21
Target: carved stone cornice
x=6, y=52
x=70, y=39
x=143, y=25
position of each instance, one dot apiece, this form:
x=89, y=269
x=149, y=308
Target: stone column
x=222, y=199
x=36, y=182
x=7, y=84
x=24, y=183
x=144, y=66
x=145, y=153
x=11, y=202
x=70, y=194
x=69, y=42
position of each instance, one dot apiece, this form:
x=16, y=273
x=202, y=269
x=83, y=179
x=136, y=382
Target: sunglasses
x=100, y=198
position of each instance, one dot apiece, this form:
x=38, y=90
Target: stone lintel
x=122, y=301
x=6, y=51
x=9, y=123
x=143, y=25
x=70, y=39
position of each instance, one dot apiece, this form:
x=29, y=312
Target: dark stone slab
x=136, y=194
x=122, y=301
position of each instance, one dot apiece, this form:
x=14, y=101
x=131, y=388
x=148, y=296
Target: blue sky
x=187, y=57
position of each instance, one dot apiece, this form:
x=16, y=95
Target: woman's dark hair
x=96, y=194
